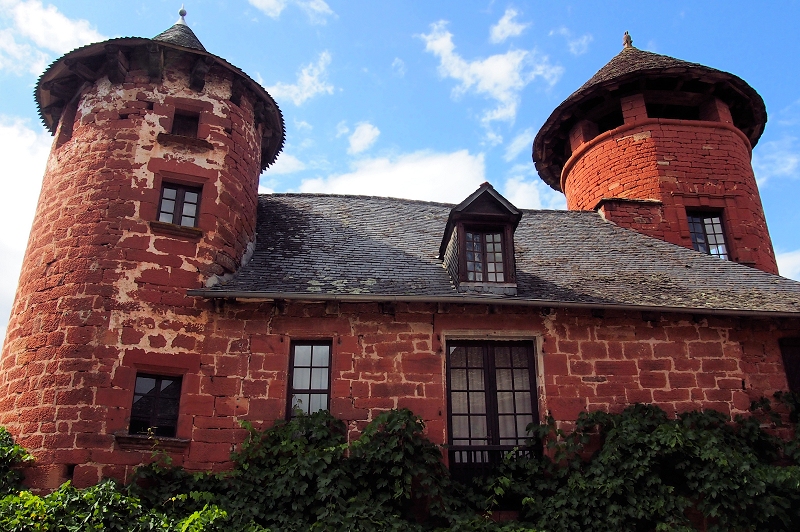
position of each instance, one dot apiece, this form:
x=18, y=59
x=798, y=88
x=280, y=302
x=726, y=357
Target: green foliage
x=11, y=457
x=634, y=471
x=654, y=473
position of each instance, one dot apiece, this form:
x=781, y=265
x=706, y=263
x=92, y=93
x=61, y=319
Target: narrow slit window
x=179, y=205
x=309, y=378
x=156, y=399
x=790, y=352
x=707, y=234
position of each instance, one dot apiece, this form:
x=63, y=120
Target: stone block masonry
x=646, y=174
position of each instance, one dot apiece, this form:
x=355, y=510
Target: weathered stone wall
x=235, y=365
x=100, y=280
x=681, y=163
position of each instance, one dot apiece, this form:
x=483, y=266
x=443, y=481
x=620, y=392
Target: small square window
x=156, y=399
x=309, y=377
x=707, y=234
x=484, y=256
x=179, y=205
x=185, y=124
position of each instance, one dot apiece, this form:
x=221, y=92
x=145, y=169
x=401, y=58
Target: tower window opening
x=668, y=110
x=185, y=124
x=156, y=399
x=179, y=204
x=707, y=234
x=610, y=121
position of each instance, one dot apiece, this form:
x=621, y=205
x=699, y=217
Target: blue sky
x=424, y=100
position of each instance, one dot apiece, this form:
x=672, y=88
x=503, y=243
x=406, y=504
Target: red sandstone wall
x=235, y=361
x=100, y=287
x=682, y=164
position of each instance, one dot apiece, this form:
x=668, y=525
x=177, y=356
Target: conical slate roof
x=180, y=34
x=65, y=77
x=627, y=73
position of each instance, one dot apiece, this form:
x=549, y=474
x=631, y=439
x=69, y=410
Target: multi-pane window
x=492, y=401
x=484, y=256
x=155, y=405
x=707, y=234
x=790, y=351
x=310, y=382
x=179, y=204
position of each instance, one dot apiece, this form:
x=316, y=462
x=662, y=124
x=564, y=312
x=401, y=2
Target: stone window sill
x=167, y=139
x=141, y=442
x=176, y=230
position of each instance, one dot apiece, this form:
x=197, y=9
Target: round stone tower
x=151, y=188
x=663, y=146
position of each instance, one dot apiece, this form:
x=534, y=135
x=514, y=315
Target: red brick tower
x=663, y=146
x=150, y=189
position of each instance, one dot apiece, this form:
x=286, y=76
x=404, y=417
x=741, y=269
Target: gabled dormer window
x=483, y=256
x=478, y=245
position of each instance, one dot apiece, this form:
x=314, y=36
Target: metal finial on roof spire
x=627, y=42
x=182, y=13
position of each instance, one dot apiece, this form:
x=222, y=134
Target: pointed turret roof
x=628, y=72
x=67, y=76
x=181, y=34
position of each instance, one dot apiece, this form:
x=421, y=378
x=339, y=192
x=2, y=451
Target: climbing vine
x=638, y=470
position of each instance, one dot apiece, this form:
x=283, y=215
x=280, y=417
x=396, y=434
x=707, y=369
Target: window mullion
x=492, y=420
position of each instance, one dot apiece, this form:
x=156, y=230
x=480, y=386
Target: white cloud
x=37, y=31
x=363, y=137
x=20, y=57
x=342, y=129
x=50, y=29
x=506, y=27
x=399, y=67
x=265, y=190
x=492, y=138
x=24, y=154
x=422, y=175
x=317, y=10
x=789, y=264
x=499, y=77
x=777, y=158
x=519, y=144
x=286, y=164
x=532, y=194
x=271, y=8
x=310, y=82
x=576, y=45
x=302, y=125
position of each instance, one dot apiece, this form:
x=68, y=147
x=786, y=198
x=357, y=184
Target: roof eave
x=483, y=300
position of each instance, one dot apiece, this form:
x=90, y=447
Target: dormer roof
x=485, y=205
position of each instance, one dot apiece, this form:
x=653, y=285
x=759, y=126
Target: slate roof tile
x=362, y=246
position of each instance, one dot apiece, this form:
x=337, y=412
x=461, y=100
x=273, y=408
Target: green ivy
x=639, y=470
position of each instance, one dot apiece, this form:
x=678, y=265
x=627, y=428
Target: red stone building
x=160, y=293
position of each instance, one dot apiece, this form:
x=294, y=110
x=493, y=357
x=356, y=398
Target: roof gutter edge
x=483, y=300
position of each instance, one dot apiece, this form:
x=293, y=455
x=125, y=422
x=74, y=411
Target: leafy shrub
x=11, y=457
x=635, y=471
